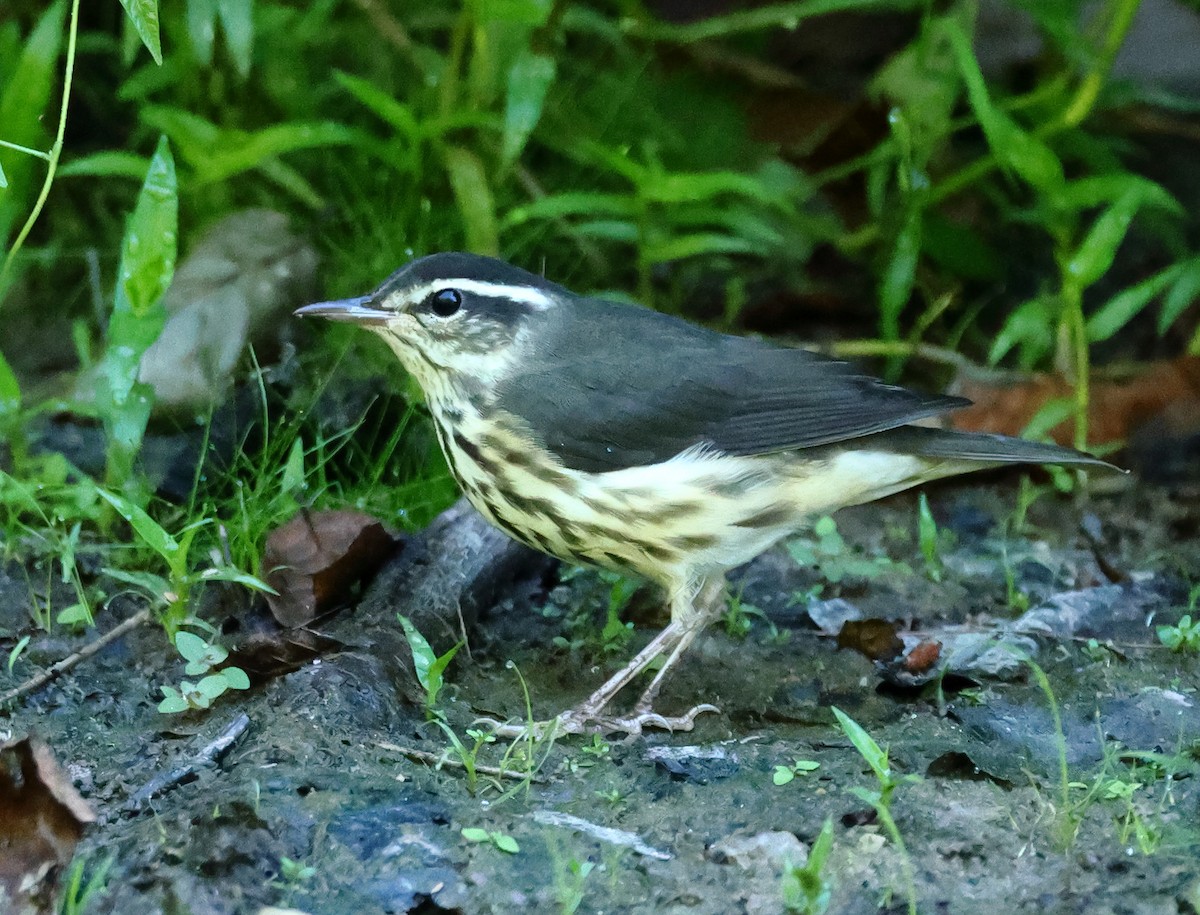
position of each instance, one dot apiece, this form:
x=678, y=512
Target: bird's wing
x=611, y=387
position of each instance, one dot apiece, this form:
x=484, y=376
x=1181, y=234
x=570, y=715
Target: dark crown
x=456, y=265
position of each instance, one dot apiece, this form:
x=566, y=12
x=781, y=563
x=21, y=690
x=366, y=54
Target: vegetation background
x=1004, y=183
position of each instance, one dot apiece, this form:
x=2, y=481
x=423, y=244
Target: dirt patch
x=312, y=805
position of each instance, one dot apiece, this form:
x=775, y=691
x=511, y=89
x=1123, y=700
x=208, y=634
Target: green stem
x=55, y=151
x=1089, y=89
x=885, y=816
x=29, y=151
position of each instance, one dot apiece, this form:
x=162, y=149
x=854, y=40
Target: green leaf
x=1049, y=416
x=25, y=94
x=505, y=843
x=437, y=670
x=529, y=79
x=237, y=21
x=927, y=537
x=202, y=28
x=390, y=110
x=867, y=748
x=149, y=530
x=74, y=615
x=896, y=284
x=1128, y=303
x=1031, y=325
x=475, y=834
x=423, y=657
x=237, y=577
x=10, y=391
x=173, y=702
x=212, y=686
x=1181, y=295
x=110, y=164
x=1023, y=153
x=783, y=775
x=148, y=249
x=236, y=678
x=154, y=585
x=144, y=16
x=573, y=203
x=293, y=469
x=697, y=244
x=190, y=646
x=1096, y=252
x=473, y=195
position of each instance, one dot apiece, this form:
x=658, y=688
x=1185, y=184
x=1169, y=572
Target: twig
x=443, y=760
x=207, y=758
x=61, y=667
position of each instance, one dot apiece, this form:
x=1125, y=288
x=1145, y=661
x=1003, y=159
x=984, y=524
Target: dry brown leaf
x=876, y=639
x=1117, y=406
x=42, y=818
x=316, y=558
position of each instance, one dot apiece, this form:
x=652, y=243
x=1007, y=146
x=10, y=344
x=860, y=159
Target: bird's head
x=451, y=317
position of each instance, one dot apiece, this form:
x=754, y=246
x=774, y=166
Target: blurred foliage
x=1015, y=212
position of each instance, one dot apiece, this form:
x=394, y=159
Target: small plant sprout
x=430, y=667
x=835, y=558
x=1184, y=636
x=927, y=537
x=505, y=843
x=806, y=890
x=881, y=799
x=202, y=660
x=785, y=774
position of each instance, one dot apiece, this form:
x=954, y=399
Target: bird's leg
x=691, y=612
x=693, y=615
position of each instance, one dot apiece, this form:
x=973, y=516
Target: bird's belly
x=696, y=514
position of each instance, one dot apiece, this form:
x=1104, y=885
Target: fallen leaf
x=876, y=639
x=316, y=558
x=42, y=818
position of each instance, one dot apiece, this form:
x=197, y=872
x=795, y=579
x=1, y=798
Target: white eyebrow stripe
x=526, y=294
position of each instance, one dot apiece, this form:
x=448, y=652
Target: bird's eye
x=445, y=302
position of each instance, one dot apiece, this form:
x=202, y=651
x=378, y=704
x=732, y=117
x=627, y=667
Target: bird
x=612, y=435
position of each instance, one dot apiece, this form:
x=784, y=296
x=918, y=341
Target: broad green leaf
x=475, y=834
x=529, y=79
x=149, y=530
x=505, y=843
x=1098, y=249
x=212, y=686
x=237, y=22
x=1022, y=152
x=1128, y=303
x=473, y=195
x=154, y=585
x=423, y=656
x=437, y=672
x=236, y=678
x=173, y=702
x=202, y=28
x=24, y=98
x=609, y=230
x=144, y=16
x=148, y=249
x=692, y=187
x=190, y=646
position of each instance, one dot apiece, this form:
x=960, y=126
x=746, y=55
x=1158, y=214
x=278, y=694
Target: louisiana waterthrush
x=612, y=435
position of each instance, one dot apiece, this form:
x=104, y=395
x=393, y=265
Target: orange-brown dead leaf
x=315, y=559
x=42, y=818
x=1118, y=406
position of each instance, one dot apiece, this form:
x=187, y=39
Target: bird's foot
x=584, y=720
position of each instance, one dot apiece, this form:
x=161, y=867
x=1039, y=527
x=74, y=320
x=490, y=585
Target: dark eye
x=445, y=302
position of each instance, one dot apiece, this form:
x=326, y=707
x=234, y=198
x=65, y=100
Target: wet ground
x=1072, y=793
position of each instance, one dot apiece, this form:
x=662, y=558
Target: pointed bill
x=361, y=310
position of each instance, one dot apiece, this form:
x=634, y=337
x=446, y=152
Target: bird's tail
x=984, y=448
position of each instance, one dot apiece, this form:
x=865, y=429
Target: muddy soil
x=1019, y=800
